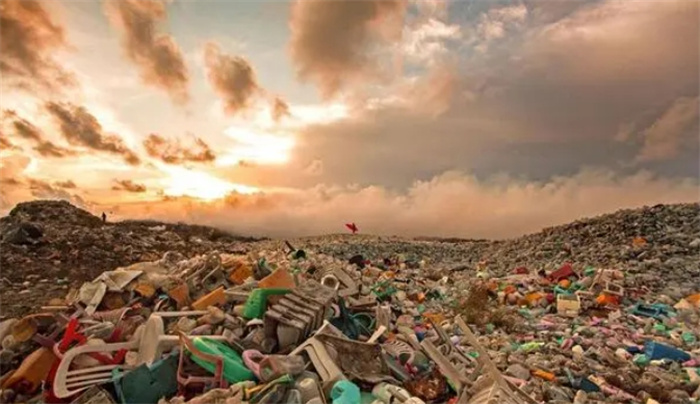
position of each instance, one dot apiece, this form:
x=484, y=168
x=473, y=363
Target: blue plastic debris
x=655, y=351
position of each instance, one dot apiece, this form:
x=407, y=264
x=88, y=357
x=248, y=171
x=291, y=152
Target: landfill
x=602, y=310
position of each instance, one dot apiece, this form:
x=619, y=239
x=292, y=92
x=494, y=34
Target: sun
x=201, y=185
x=257, y=147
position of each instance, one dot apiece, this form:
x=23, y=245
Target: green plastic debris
x=257, y=301
x=531, y=346
x=434, y=294
x=641, y=360
x=367, y=397
x=234, y=369
x=383, y=289
x=660, y=328
x=345, y=392
x=688, y=337
x=270, y=389
x=147, y=384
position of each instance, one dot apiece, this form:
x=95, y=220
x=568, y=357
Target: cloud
x=494, y=23
x=128, y=186
x=68, y=184
x=172, y=151
x=663, y=139
x=433, y=93
x=450, y=204
x=81, y=128
x=157, y=56
x=426, y=42
x=232, y=77
x=315, y=168
x=5, y=144
x=30, y=36
x=279, y=110
x=335, y=43
x=49, y=149
x=17, y=186
x=659, y=39
x=43, y=190
x=26, y=130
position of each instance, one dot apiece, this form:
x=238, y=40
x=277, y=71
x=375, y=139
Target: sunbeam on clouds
x=459, y=118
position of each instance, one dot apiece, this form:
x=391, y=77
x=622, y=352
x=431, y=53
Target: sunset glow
x=260, y=148
x=184, y=182
x=425, y=116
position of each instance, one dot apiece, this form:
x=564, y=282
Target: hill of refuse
x=659, y=245
x=73, y=245
x=602, y=310
x=46, y=246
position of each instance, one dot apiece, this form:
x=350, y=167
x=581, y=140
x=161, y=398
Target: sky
x=469, y=118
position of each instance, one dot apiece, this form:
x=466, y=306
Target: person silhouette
x=104, y=217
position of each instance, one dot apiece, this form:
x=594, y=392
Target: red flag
x=352, y=227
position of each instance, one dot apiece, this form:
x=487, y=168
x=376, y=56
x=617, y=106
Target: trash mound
x=660, y=245
x=55, y=212
x=48, y=246
x=284, y=323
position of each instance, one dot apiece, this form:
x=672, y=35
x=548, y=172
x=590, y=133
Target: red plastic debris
x=562, y=273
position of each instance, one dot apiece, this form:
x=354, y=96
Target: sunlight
x=262, y=148
x=319, y=114
x=197, y=184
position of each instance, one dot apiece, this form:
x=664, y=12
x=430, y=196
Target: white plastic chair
x=150, y=341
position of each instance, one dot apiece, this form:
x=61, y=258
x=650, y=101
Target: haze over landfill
x=482, y=119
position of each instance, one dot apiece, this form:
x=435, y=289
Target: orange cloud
x=17, y=186
x=157, y=56
x=232, y=77
x=664, y=138
x=49, y=149
x=128, y=186
x=26, y=130
x=81, y=128
x=44, y=190
x=280, y=109
x=332, y=42
x=451, y=204
x=5, y=143
x=68, y=184
x=171, y=151
x=29, y=37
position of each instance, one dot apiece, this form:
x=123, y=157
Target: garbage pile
x=291, y=325
x=658, y=245
x=48, y=246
